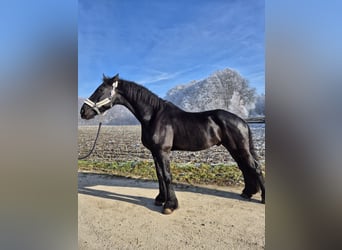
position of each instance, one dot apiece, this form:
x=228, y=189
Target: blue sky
x=161, y=44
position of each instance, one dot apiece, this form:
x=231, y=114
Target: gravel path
x=118, y=213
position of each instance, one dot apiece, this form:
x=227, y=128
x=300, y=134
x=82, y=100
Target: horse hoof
x=263, y=200
x=245, y=196
x=167, y=211
x=158, y=203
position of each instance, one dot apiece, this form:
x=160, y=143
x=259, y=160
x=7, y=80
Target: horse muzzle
x=87, y=112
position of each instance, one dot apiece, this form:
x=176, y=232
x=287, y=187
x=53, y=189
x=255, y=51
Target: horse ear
x=116, y=77
x=104, y=76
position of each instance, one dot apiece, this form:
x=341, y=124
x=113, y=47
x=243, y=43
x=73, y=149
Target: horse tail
x=258, y=170
x=252, y=148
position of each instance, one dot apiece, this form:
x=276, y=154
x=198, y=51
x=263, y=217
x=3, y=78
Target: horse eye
x=102, y=92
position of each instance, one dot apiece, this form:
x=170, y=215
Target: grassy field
x=198, y=173
x=119, y=151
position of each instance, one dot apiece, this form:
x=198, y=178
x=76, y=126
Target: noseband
x=96, y=105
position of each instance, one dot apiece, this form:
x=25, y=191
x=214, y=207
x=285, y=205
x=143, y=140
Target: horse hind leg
x=251, y=173
x=255, y=177
x=251, y=181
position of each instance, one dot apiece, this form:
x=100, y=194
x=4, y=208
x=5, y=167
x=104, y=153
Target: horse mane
x=139, y=93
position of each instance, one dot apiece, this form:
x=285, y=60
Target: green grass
x=181, y=173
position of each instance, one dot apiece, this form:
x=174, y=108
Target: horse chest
x=157, y=137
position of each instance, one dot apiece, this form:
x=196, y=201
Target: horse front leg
x=171, y=202
x=161, y=198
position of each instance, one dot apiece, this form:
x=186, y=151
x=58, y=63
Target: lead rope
x=96, y=107
x=97, y=136
x=92, y=149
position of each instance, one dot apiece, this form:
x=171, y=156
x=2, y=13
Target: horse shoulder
x=159, y=133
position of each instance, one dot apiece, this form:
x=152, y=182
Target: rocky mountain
x=224, y=89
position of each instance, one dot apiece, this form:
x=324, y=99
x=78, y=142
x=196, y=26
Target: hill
x=224, y=89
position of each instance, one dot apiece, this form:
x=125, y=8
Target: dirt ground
x=119, y=213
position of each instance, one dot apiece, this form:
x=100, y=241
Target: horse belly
x=195, y=141
x=188, y=147
x=183, y=146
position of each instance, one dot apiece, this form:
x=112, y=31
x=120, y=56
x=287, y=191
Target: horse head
x=102, y=99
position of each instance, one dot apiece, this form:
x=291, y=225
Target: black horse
x=165, y=127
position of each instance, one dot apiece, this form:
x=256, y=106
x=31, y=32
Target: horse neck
x=141, y=109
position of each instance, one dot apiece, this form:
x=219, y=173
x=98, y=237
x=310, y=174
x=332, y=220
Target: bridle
x=97, y=105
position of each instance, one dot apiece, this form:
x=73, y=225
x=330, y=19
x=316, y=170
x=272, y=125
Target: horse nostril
x=82, y=111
